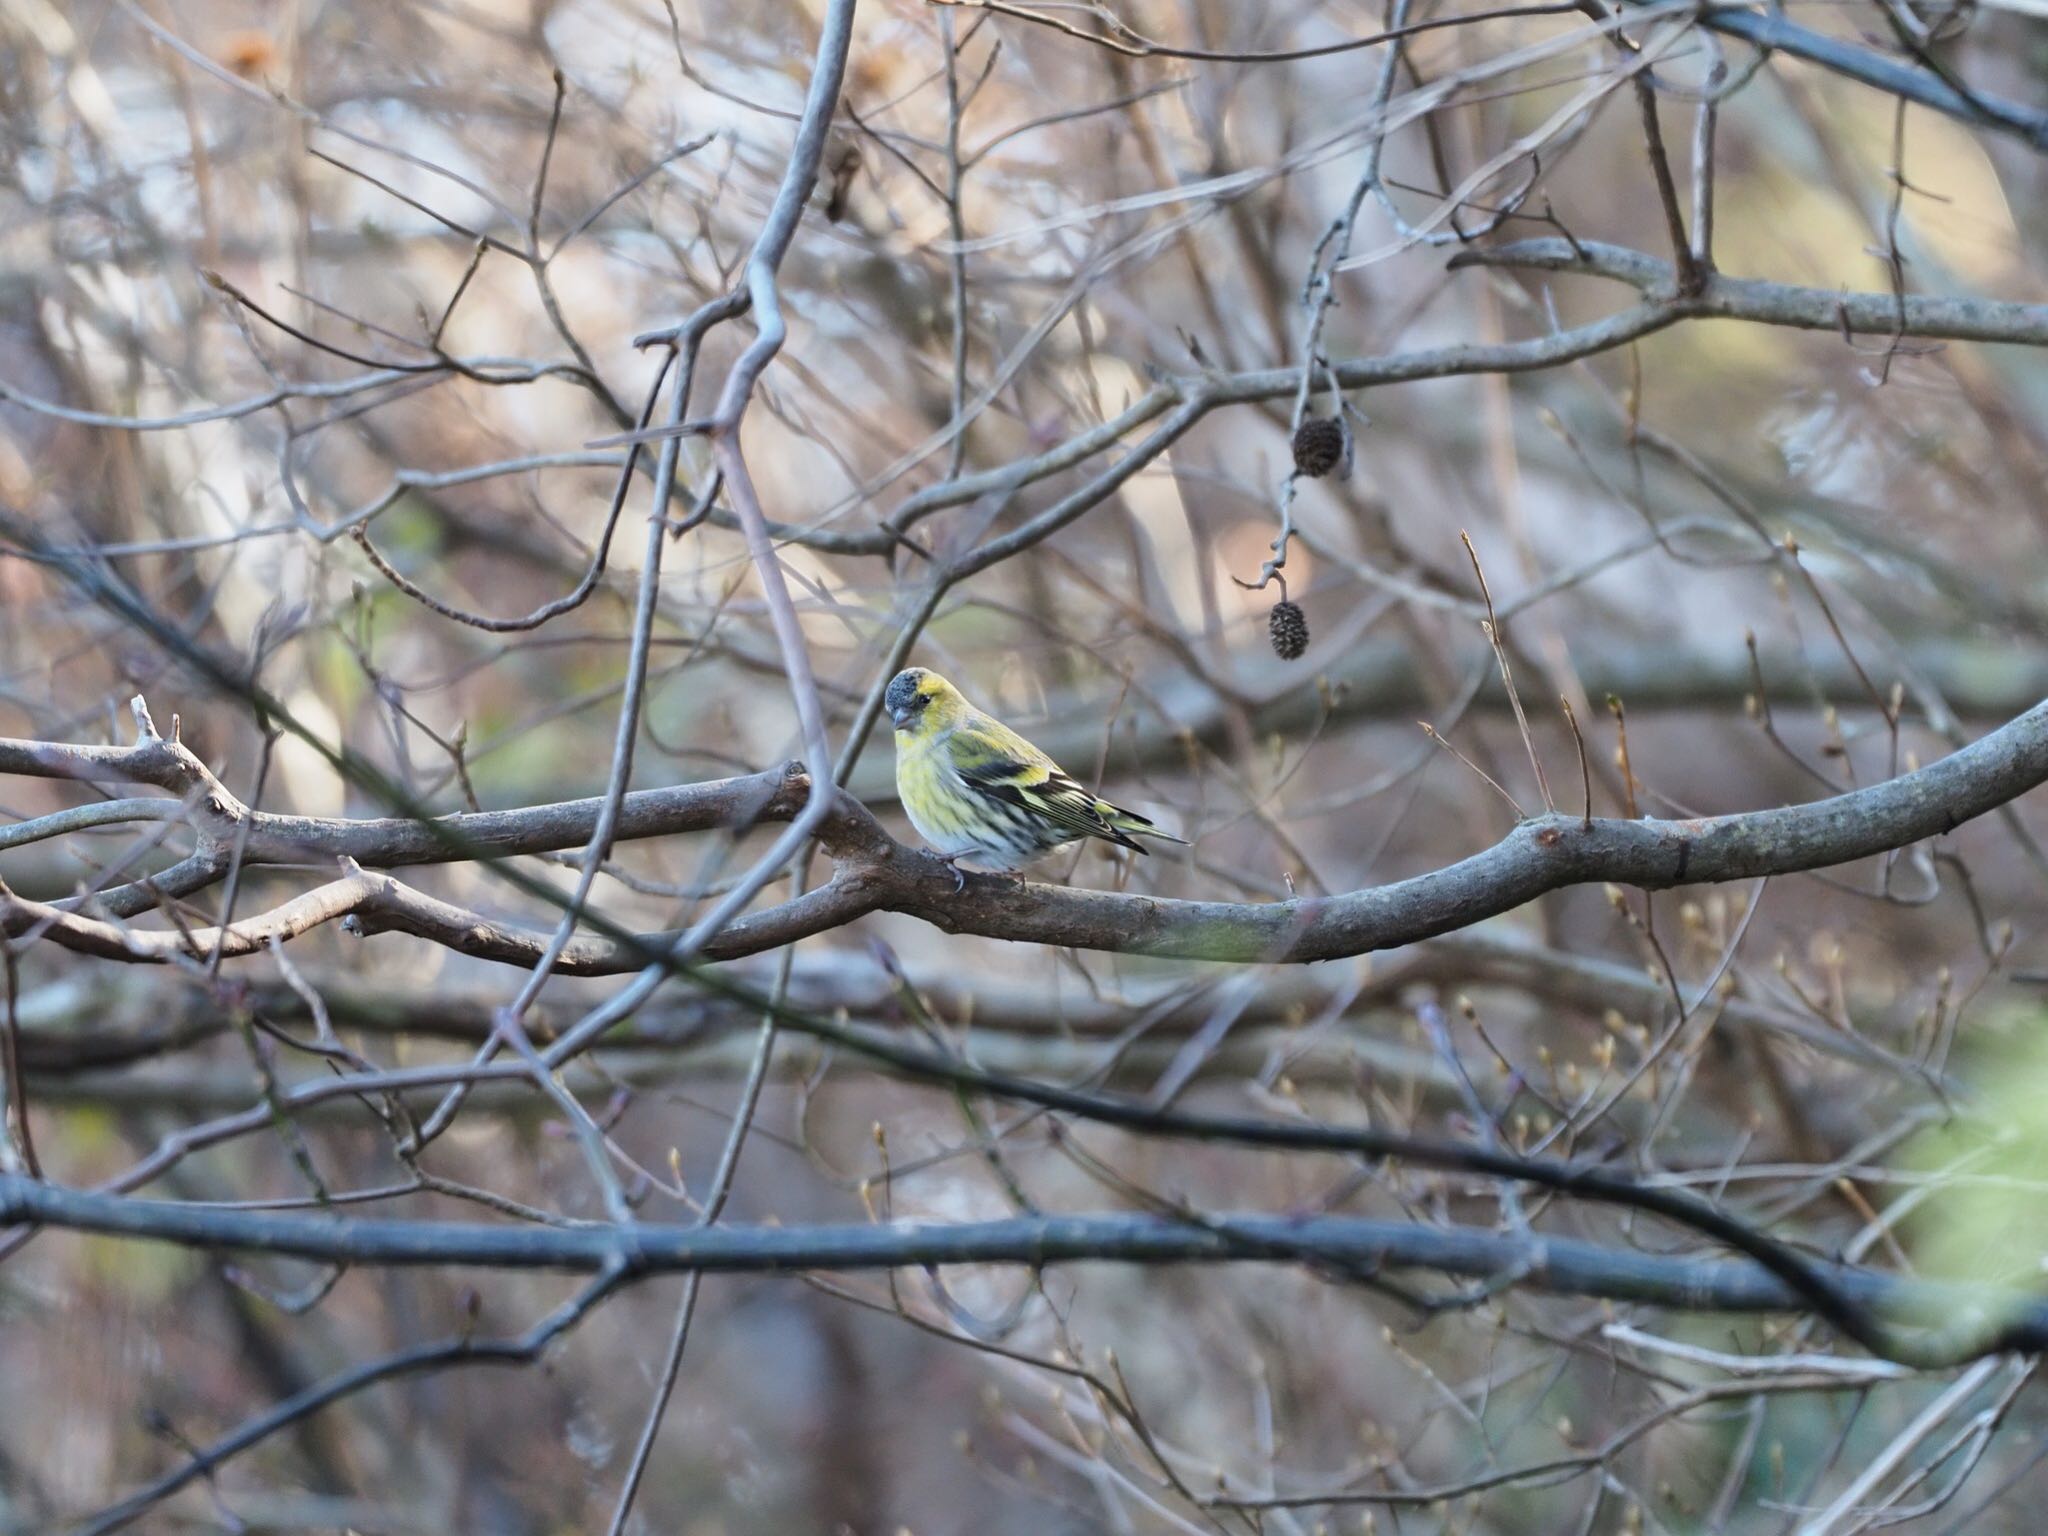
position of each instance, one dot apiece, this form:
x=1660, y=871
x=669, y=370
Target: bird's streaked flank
x=976, y=790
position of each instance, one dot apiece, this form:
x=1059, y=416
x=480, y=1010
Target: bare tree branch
x=875, y=873
x=1339, y=1244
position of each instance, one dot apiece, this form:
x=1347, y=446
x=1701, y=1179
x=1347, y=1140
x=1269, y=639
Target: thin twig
x=1507, y=673
x=1431, y=732
x=1579, y=741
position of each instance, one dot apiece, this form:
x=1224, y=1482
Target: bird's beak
x=900, y=716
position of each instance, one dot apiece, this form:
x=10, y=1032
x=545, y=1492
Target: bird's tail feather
x=1131, y=822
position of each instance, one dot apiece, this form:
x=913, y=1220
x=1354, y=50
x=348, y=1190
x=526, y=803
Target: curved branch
x=1896, y=77
x=1541, y=855
x=875, y=873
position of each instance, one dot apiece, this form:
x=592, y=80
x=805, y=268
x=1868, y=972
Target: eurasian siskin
x=975, y=789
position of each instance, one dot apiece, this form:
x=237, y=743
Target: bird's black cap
x=903, y=699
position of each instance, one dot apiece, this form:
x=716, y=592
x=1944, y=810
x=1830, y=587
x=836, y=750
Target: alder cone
x=1318, y=445
x=1288, y=628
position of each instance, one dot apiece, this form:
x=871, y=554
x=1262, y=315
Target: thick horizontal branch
x=875, y=873
x=732, y=804
x=1541, y=855
x=1345, y=1245
x=1369, y=680
x=1769, y=303
x=393, y=841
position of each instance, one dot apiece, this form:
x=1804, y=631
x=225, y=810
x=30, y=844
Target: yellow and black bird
x=978, y=791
